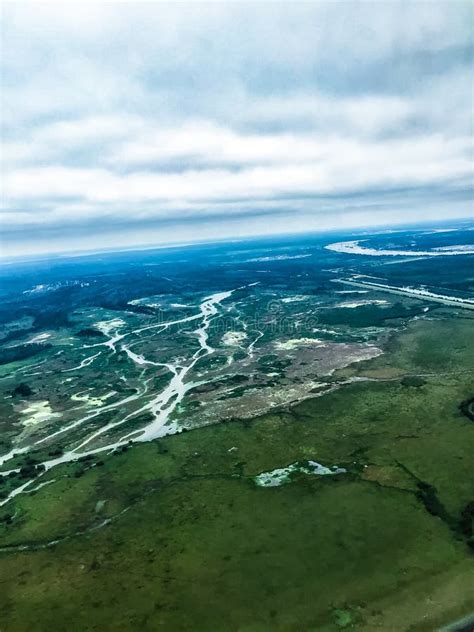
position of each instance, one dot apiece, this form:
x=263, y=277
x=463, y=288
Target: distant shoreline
x=353, y=248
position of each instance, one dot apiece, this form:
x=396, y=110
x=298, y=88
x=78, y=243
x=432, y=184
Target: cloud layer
x=155, y=122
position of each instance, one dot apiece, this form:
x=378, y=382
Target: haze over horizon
x=132, y=124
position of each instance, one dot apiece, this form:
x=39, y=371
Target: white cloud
x=270, y=167
x=139, y=112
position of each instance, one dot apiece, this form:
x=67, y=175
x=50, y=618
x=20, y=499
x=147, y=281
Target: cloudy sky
x=149, y=123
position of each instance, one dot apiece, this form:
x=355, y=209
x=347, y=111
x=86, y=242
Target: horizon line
x=21, y=258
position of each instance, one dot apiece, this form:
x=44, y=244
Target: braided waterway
x=161, y=406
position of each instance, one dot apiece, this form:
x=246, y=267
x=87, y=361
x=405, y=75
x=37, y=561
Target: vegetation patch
x=413, y=381
x=467, y=408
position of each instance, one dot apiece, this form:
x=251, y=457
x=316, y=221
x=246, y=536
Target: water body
x=354, y=248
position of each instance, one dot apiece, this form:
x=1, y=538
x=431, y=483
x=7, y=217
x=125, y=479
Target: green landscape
x=177, y=533
x=237, y=316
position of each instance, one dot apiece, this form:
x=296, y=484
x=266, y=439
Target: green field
x=176, y=535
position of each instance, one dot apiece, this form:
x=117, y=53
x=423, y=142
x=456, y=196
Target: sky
x=135, y=124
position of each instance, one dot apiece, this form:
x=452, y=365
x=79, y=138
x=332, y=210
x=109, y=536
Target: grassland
x=176, y=535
